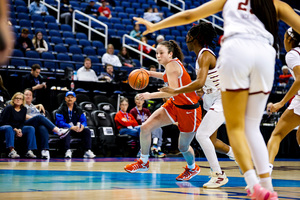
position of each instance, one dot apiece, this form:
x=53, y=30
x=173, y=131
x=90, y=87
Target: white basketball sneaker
x=217, y=180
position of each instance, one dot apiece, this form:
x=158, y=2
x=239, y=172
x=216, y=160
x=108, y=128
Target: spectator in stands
x=4, y=95
x=159, y=39
x=91, y=9
x=141, y=115
x=39, y=43
x=110, y=58
x=108, y=75
x=136, y=33
x=150, y=16
x=23, y=42
x=112, y=3
x=69, y=115
x=285, y=76
x=125, y=122
x=147, y=62
x=37, y=8
x=66, y=11
x=43, y=126
x=35, y=82
x=86, y=73
x=146, y=49
x=104, y=10
x=125, y=58
x=13, y=117
x=153, y=80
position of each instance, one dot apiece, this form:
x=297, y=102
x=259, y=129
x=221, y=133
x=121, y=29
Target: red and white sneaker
x=217, y=180
x=188, y=173
x=137, y=166
x=261, y=193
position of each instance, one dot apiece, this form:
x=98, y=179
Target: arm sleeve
x=5, y=116
x=60, y=121
x=82, y=120
x=292, y=59
x=119, y=117
x=133, y=121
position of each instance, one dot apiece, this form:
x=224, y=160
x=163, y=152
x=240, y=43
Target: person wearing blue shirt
x=69, y=115
x=37, y=8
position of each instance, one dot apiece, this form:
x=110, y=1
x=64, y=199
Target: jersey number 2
x=243, y=6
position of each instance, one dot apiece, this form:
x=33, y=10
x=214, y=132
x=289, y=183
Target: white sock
x=230, y=152
x=144, y=158
x=251, y=179
x=155, y=140
x=159, y=148
x=271, y=168
x=266, y=183
x=191, y=166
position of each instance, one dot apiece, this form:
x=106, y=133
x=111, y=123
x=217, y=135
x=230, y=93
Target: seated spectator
x=4, y=95
x=69, y=115
x=125, y=58
x=43, y=126
x=104, y=10
x=39, y=43
x=110, y=58
x=161, y=15
x=23, y=42
x=86, y=73
x=12, y=121
x=159, y=39
x=125, y=122
x=38, y=8
x=91, y=9
x=141, y=115
x=35, y=82
x=108, y=75
x=153, y=80
x=136, y=33
x=147, y=50
x=285, y=76
x=66, y=11
x=150, y=16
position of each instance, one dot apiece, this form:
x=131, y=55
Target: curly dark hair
x=295, y=36
x=172, y=46
x=204, y=33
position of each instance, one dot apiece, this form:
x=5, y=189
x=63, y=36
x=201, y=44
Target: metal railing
x=140, y=52
x=213, y=21
x=51, y=7
x=297, y=11
x=89, y=26
x=173, y=5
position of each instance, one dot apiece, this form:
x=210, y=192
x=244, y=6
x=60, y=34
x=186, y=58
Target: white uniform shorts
x=295, y=104
x=246, y=64
x=213, y=101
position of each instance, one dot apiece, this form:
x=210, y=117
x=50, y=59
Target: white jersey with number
x=238, y=19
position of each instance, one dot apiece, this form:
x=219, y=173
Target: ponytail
x=172, y=46
x=266, y=13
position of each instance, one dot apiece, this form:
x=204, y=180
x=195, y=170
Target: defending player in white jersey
x=246, y=64
x=198, y=39
x=291, y=116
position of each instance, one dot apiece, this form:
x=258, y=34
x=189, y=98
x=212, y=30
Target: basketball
x=138, y=79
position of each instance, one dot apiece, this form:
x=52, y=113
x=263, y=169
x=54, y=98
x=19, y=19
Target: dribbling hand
x=148, y=24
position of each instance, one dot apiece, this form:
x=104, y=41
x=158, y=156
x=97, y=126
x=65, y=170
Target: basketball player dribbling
x=183, y=108
x=246, y=67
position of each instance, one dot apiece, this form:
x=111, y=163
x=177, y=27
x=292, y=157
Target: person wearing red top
x=285, y=76
x=125, y=122
x=104, y=11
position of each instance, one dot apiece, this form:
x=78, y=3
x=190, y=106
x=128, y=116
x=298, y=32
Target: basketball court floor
x=104, y=178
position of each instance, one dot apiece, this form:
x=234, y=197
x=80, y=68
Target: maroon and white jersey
x=292, y=59
x=241, y=22
x=212, y=83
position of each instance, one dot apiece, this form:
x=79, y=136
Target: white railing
x=141, y=49
x=89, y=26
x=51, y=7
x=297, y=11
x=173, y=5
x=214, y=18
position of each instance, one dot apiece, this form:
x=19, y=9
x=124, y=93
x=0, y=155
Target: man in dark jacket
x=23, y=42
x=92, y=9
x=69, y=115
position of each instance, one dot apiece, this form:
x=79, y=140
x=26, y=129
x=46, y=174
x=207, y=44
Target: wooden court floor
x=104, y=178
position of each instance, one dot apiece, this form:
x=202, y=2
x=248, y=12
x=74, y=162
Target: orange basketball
x=138, y=79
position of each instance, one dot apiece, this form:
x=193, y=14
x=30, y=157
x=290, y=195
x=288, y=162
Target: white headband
x=290, y=32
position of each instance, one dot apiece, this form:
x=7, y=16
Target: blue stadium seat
x=50, y=19
x=60, y=49
x=48, y=56
x=125, y=4
x=54, y=33
x=74, y=49
x=21, y=9
x=44, y=32
x=32, y=62
x=145, y=5
x=121, y=33
x=94, y=59
x=112, y=33
x=20, y=3
x=175, y=32
x=64, y=57
x=66, y=27
x=151, y=42
x=188, y=59
x=88, y=50
x=137, y=63
x=115, y=20
x=97, y=44
x=12, y=14
x=23, y=16
x=180, y=39
x=78, y=58
x=53, y=26
x=36, y=17
x=74, y=4
x=67, y=34
x=122, y=15
x=17, y=62
x=50, y=65
x=32, y=54
x=84, y=43
x=119, y=26
x=140, y=11
x=164, y=32
x=25, y=23
x=169, y=37
x=102, y=19
x=56, y=40
x=17, y=53
x=135, y=5
x=81, y=36
x=101, y=52
x=130, y=16
x=83, y=5
x=127, y=21
x=180, y=28
x=129, y=27
x=129, y=10
x=151, y=2
x=70, y=41
x=39, y=24
x=119, y=9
